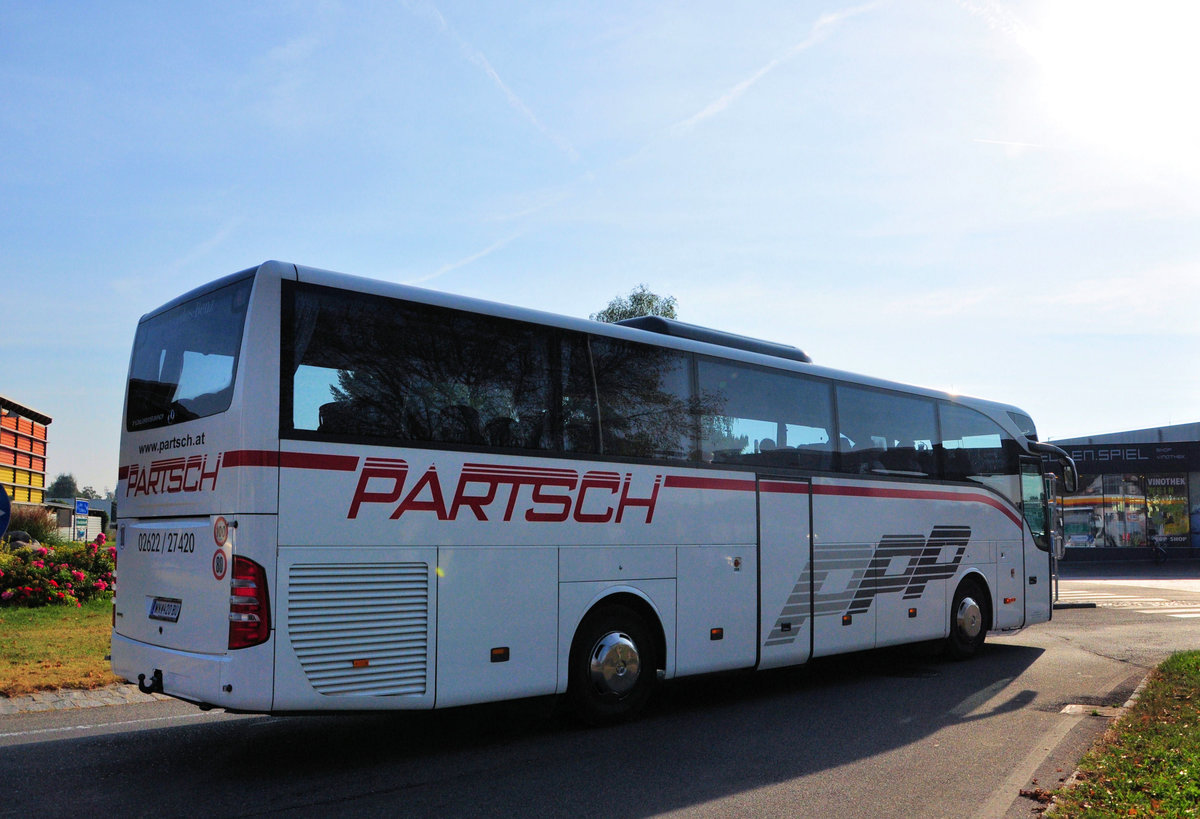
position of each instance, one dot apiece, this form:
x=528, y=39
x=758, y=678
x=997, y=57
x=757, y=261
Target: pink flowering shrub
x=64, y=575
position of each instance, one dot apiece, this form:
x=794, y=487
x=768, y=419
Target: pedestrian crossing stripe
x=1140, y=603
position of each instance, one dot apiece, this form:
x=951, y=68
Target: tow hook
x=155, y=686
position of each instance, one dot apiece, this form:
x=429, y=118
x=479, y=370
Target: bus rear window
x=185, y=359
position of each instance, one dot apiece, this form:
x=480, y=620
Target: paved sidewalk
x=62, y=698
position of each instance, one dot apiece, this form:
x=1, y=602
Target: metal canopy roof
x=13, y=408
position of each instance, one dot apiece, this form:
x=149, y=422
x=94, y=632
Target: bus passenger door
x=1036, y=577
x=785, y=571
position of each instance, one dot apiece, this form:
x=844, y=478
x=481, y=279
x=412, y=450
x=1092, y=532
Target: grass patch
x=55, y=647
x=1148, y=763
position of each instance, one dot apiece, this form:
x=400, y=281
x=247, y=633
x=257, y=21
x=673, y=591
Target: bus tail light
x=249, y=607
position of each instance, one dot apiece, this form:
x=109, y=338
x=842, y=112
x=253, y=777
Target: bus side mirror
x=1070, y=478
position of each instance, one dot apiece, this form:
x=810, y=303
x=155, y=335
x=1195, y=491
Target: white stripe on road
x=119, y=724
x=1002, y=796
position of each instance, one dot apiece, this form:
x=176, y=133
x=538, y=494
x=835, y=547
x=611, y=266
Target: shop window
x=1167, y=510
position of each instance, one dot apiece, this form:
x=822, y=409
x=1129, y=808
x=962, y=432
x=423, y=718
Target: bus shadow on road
x=701, y=740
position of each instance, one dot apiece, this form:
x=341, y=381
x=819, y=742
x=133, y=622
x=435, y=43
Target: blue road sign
x=81, y=507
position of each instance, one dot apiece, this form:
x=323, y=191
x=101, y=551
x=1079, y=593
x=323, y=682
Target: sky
x=999, y=199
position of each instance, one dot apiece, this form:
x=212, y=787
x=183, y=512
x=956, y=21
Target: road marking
x=119, y=724
x=1002, y=796
x=1102, y=600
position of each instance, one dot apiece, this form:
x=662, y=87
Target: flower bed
x=63, y=575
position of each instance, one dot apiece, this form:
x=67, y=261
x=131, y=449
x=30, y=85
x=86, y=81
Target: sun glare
x=1121, y=77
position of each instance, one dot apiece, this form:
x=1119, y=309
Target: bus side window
x=886, y=433
x=374, y=368
x=973, y=445
x=645, y=400
x=573, y=396
x=758, y=416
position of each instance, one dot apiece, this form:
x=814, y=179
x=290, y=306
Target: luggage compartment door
x=785, y=571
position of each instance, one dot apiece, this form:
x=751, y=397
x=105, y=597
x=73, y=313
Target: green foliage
x=63, y=487
x=40, y=524
x=639, y=302
x=65, y=575
x=1149, y=762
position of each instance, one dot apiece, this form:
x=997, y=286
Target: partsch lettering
x=484, y=492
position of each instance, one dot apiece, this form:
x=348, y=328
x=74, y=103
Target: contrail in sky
x=478, y=58
x=474, y=257
x=816, y=34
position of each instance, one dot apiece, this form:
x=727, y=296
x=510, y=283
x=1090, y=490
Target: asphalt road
x=889, y=733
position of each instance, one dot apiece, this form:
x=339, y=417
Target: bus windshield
x=185, y=358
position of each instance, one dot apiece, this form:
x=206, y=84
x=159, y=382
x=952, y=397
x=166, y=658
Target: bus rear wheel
x=968, y=621
x=613, y=666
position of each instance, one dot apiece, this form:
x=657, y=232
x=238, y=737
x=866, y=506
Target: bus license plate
x=165, y=608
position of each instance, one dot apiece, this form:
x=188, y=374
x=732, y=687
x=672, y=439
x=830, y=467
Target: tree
x=63, y=488
x=89, y=492
x=640, y=302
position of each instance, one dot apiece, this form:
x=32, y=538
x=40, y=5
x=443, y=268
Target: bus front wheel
x=612, y=666
x=968, y=620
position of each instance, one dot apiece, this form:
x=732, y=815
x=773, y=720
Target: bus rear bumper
x=198, y=678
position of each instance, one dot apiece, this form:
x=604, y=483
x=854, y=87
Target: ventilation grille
x=361, y=629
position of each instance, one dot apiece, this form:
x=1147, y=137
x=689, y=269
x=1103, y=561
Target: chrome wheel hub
x=968, y=618
x=615, y=664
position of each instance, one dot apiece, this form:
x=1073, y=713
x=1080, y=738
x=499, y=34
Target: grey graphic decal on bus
x=869, y=577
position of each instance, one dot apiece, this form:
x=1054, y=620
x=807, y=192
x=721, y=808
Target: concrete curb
x=62, y=699
x=1118, y=713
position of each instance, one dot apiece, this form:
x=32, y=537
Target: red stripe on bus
x=289, y=460
x=250, y=457
x=916, y=494
x=798, y=488
x=784, y=487
x=729, y=484
x=329, y=463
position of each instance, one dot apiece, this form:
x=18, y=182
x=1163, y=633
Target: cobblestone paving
x=62, y=699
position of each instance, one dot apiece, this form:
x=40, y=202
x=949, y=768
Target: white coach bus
x=338, y=493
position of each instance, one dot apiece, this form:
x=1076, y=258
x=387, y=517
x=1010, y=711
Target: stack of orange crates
x=22, y=457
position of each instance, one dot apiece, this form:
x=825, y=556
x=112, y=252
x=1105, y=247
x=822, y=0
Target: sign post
x=81, y=518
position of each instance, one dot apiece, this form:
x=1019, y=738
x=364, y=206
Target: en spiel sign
x=1102, y=459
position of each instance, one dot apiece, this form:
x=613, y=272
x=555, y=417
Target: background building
x=1137, y=489
x=23, y=451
